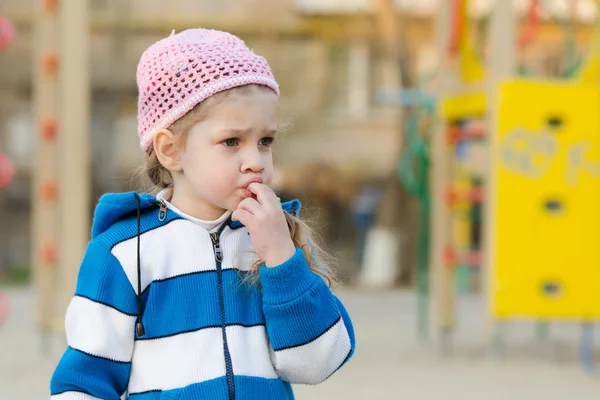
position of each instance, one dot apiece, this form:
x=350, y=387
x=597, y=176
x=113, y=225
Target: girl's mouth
x=248, y=193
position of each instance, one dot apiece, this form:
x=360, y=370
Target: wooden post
x=45, y=219
x=73, y=145
x=442, y=304
x=502, y=66
x=358, y=86
x=388, y=25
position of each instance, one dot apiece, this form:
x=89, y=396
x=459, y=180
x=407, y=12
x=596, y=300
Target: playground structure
x=60, y=191
x=514, y=169
x=464, y=122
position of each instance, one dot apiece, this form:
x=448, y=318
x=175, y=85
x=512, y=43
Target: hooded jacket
x=162, y=311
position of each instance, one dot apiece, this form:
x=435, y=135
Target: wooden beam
x=416, y=29
x=502, y=66
x=388, y=27
x=74, y=157
x=45, y=219
x=442, y=293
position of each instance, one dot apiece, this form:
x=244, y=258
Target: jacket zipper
x=215, y=238
x=162, y=211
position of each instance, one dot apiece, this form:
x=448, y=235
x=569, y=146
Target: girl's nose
x=253, y=161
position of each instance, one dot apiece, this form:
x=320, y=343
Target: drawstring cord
x=139, y=327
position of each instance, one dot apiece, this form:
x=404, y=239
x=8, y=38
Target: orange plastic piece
x=453, y=258
x=453, y=135
x=450, y=196
x=472, y=132
x=50, y=6
x=449, y=257
x=453, y=196
x=49, y=128
x=49, y=254
x=49, y=190
x=50, y=64
x=477, y=131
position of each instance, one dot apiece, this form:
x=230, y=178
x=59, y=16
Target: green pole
x=423, y=257
x=415, y=156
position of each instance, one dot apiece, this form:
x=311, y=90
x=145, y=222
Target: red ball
x=7, y=171
x=7, y=32
x=4, y=308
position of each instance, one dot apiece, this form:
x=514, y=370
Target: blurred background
x=447, y=150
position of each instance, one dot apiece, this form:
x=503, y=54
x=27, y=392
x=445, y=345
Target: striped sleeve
x=99, y=325
x=309, y=329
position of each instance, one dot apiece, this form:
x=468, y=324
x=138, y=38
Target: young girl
x=209, y=290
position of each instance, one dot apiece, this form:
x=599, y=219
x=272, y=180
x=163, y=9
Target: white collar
x=208, y=225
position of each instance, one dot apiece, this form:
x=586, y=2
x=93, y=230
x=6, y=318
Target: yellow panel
x=463, y=106
x=546, y=237
x=471, y=67
x=590, y=72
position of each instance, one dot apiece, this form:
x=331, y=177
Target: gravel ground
x=388, y=364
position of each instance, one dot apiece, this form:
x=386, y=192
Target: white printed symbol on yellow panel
x=526, y=153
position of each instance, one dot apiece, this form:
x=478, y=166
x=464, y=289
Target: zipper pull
x=162, y=211
x=218, y=252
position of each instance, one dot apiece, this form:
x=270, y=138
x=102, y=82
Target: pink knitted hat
x=178, y=72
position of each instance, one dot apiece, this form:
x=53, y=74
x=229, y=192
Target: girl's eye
x=267, y=141
x=230, y=142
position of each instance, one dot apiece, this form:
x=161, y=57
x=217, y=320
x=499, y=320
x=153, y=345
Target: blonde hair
x=303, y=237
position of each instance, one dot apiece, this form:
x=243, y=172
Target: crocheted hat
x=180, y=71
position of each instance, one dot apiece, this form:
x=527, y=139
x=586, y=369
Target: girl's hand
x=264, y=219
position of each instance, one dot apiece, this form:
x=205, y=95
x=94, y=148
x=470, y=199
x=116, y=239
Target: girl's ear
x=167, y=150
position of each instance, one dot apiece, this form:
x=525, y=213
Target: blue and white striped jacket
x=161, y=311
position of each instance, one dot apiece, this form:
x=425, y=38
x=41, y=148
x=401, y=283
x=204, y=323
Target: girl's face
x=226, y=151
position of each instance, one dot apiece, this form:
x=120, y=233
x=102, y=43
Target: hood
x=114, y=206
